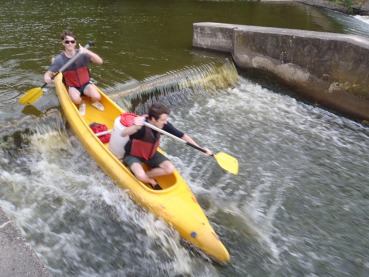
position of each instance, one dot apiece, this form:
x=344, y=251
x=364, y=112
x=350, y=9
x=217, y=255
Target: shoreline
x=357, y=9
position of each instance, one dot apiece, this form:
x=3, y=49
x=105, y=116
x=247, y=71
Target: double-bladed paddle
x=34, y=94
x=226, y=161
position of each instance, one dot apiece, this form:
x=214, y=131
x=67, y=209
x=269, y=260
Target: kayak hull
x=175, y=204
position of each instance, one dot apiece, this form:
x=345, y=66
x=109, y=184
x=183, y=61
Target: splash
x=71, y=212
x=178, y=86
x=363, y=18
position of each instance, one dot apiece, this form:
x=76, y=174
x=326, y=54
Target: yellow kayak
x=175, y=204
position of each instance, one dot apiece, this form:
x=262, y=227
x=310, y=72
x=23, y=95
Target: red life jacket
x=77, y=74
x=146, y=146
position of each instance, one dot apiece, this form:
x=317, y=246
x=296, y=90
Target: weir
x=176, y=86
x=326, y=69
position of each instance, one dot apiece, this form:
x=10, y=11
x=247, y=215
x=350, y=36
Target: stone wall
x=327, y=69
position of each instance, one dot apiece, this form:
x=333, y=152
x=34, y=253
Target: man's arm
x=47, y=76
x=137, y=125
x=53, y=68
x=95, y=58
x=171, y=129
x=190, y=140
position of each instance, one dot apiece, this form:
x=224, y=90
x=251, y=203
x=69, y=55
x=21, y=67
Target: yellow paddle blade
x=31, y=96
x=227, y=162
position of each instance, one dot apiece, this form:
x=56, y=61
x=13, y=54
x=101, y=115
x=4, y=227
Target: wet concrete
x=17, y=258
x=326, y=69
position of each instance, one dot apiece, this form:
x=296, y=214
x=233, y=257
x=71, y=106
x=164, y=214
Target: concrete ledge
x=331, y=70
x=357, y=7
x=214, y=36
x=17, y=258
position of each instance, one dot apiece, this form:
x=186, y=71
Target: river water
x=299, y=206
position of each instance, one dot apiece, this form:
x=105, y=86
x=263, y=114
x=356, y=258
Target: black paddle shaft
x=174, y=137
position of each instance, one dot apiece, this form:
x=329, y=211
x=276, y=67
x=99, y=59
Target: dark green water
x=297, y=208
x=137, y=39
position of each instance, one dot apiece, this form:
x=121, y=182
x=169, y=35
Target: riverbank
x=17, y=258
x=357, y=7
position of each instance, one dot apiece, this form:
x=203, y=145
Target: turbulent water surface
x=297, y=208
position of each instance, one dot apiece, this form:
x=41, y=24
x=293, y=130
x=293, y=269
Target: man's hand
x=47, y=77
x=208, y=152
x=139, y=120
x=82, y=49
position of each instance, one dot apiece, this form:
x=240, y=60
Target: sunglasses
x=69, y=41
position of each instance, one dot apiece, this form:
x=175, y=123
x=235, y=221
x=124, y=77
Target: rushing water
x=297, y=208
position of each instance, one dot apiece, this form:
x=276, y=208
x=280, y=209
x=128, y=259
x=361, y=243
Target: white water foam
x=293, y=158
x=60, y=207
x=261, y=129
x=363, y=18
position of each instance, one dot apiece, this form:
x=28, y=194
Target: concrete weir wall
x=327, y=69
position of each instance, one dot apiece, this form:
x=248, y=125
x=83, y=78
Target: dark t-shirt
x=59, y=61
x=140, y=133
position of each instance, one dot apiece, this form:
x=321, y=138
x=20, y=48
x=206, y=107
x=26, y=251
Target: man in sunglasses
x=76, y=77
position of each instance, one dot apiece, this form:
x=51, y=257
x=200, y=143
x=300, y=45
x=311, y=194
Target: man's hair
x=67, y=33
x=157, y=109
